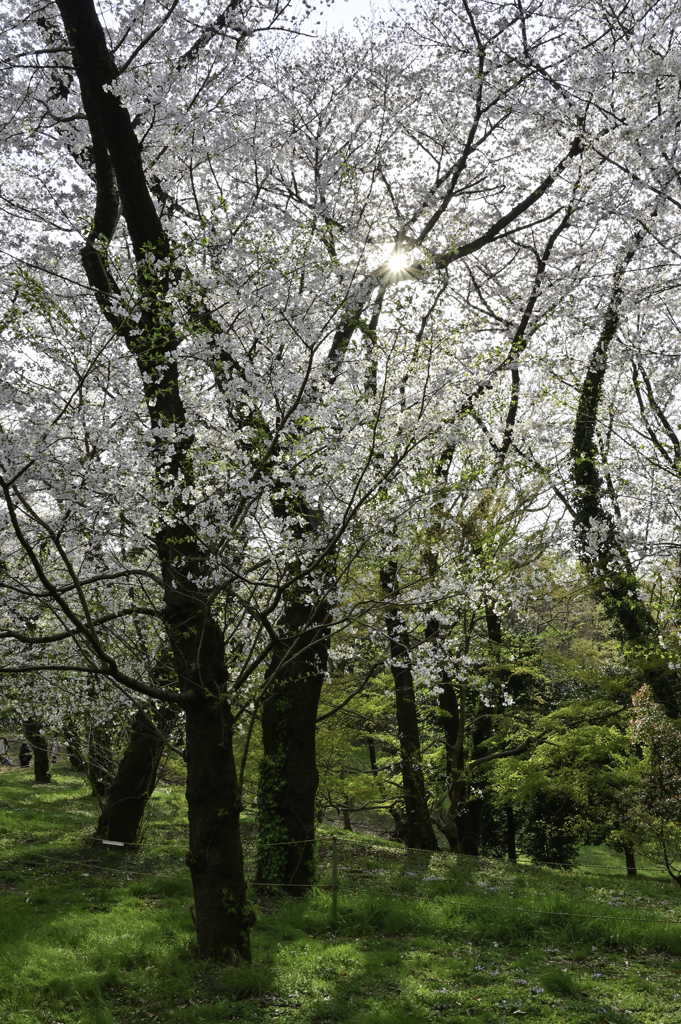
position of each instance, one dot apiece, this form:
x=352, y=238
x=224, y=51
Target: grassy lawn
x=101, y=937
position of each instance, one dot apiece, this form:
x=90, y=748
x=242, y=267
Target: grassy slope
x=95, y=937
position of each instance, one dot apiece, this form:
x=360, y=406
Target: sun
x=397, y=262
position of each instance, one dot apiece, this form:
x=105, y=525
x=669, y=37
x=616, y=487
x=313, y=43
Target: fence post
x=334, y=881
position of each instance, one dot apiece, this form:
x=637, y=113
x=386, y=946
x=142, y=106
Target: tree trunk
x=468, y=824
x=452, y=723
x=74, y=747
x=398, y=834
x=468, y=820
x=288, y=772
x=215, y=858
x=510, y=834
x=345, y=808
x=41, y=760
x=135, y=779
x=419, y=832
x=630, y=860
x=222, y=913
x=99, y=764
x=372, y=756
x=450, y=831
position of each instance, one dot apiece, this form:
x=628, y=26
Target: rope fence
x=344, y=881
x=354, y=844
x=348, y=837
x=397, y=883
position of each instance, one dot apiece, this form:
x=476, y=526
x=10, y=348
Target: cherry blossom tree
x=259, y=298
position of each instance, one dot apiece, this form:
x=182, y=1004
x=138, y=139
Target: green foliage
x=573, y=701
x=346, y=779
x=550, y=831
x=651, y=804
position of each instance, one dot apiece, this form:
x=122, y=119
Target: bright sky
x=343, y=12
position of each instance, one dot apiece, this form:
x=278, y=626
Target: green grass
x=106, y=937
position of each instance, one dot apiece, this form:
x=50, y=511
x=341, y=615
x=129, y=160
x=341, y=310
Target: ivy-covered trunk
x=418, y=829
x=602, y=549
x=135, y=780
x=41, y=759
x=288, y=772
